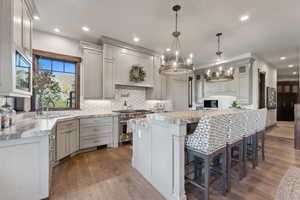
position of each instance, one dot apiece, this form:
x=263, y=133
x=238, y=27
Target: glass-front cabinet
x=23, y=73
x=16, y=48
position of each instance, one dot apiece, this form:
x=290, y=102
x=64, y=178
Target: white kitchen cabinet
x=96, y=131
x=92, y=72
x=27, y=29
x=244, y=83
x=15, y=40
x=24, y=168
x=18, y=13
x=125, y=59
x=108, y=72
x=67, y=138
x=159, y=89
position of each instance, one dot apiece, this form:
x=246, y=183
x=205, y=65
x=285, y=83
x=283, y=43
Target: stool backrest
x=237, y=126
x=262, y=119
x=210, y=134
x=251, y=123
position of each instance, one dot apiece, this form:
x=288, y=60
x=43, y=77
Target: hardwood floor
x=284, y=130
x=107, y=175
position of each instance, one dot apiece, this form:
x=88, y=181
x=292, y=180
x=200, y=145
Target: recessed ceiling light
x=85, y=28
x=244, y=18
x=282, y=58
x=294, y=73
x=56, y=30
x=36, y=17
x=168, y=49
x=290, y=66
x=136, y=39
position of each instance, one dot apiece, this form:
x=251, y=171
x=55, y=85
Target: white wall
x=55, y=44
x=271, y=81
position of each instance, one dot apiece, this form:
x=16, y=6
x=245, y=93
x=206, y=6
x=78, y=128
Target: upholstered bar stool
x=250, y=139
x=207, y=142
x=236, y=133
x=261, y=129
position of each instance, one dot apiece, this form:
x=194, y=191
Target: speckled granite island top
x=40, y=126
x=189, y=116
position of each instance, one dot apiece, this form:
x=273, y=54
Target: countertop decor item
x=173, y=63
x=137, y=74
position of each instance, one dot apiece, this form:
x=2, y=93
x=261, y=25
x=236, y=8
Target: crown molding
x=118, y=43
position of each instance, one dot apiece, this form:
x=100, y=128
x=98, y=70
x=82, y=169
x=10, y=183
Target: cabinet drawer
x=96, y=130
x=67, y=125
x=93, y=141
x=97, y=121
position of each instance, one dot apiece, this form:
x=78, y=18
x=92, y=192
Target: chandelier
x=219, y=73
x=173, y=63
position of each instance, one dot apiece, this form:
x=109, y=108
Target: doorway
x=287, y=97
x=262, y=89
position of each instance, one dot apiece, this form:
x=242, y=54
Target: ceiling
x=272, y=31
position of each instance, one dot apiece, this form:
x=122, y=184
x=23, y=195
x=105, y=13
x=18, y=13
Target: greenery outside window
x=65, y=73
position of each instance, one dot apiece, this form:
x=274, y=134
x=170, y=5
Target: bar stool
x=237, y=131
x=207, y=142
x=261, y=129
x=250, y=140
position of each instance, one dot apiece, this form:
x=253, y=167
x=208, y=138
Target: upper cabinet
x=16, y=48
x=108, y=72
x=125, y=59
x=159, y=89
x=119, y=60
x=240, y=87
x=92, y=71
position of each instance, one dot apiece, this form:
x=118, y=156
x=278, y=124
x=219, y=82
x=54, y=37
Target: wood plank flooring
x=107, y=175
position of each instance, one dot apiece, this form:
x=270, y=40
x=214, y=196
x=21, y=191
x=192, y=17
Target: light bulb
x=174, y=63
x=176, y=53
x=220, y=68
x=191, y=55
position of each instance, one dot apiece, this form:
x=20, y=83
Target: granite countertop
x=188, y=116
x=32, y=126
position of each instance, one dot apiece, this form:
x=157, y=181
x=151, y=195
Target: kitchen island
x=158, y=149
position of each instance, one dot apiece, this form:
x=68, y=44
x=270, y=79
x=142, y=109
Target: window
x=65, y=72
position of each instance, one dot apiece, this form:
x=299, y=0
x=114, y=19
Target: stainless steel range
x=124, y=117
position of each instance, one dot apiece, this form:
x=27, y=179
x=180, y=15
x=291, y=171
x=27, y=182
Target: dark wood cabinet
x=286, y=99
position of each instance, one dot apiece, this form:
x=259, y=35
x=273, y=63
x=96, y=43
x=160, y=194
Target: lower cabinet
x=67, y=138
x=96, y=131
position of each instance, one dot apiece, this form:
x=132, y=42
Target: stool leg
x=228, y=154
x=206, y=178
x=241, y=167
x=245, y=156
x=263, y=145
x=256, y=149
x=253, y=146
x=224, y=170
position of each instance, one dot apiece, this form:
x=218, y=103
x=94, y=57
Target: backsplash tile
x=134, y=96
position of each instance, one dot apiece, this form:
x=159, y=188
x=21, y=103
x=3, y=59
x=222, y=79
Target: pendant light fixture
x=219, y=52
x=173, y=63
x=219, y=73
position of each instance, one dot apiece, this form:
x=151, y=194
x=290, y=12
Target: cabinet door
x=62, y=145
x=74, y=141
x=27, y=23
x=92, y=74
x=108, y=79
x=18, y=23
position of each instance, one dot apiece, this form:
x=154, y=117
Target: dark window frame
x=59, y=57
